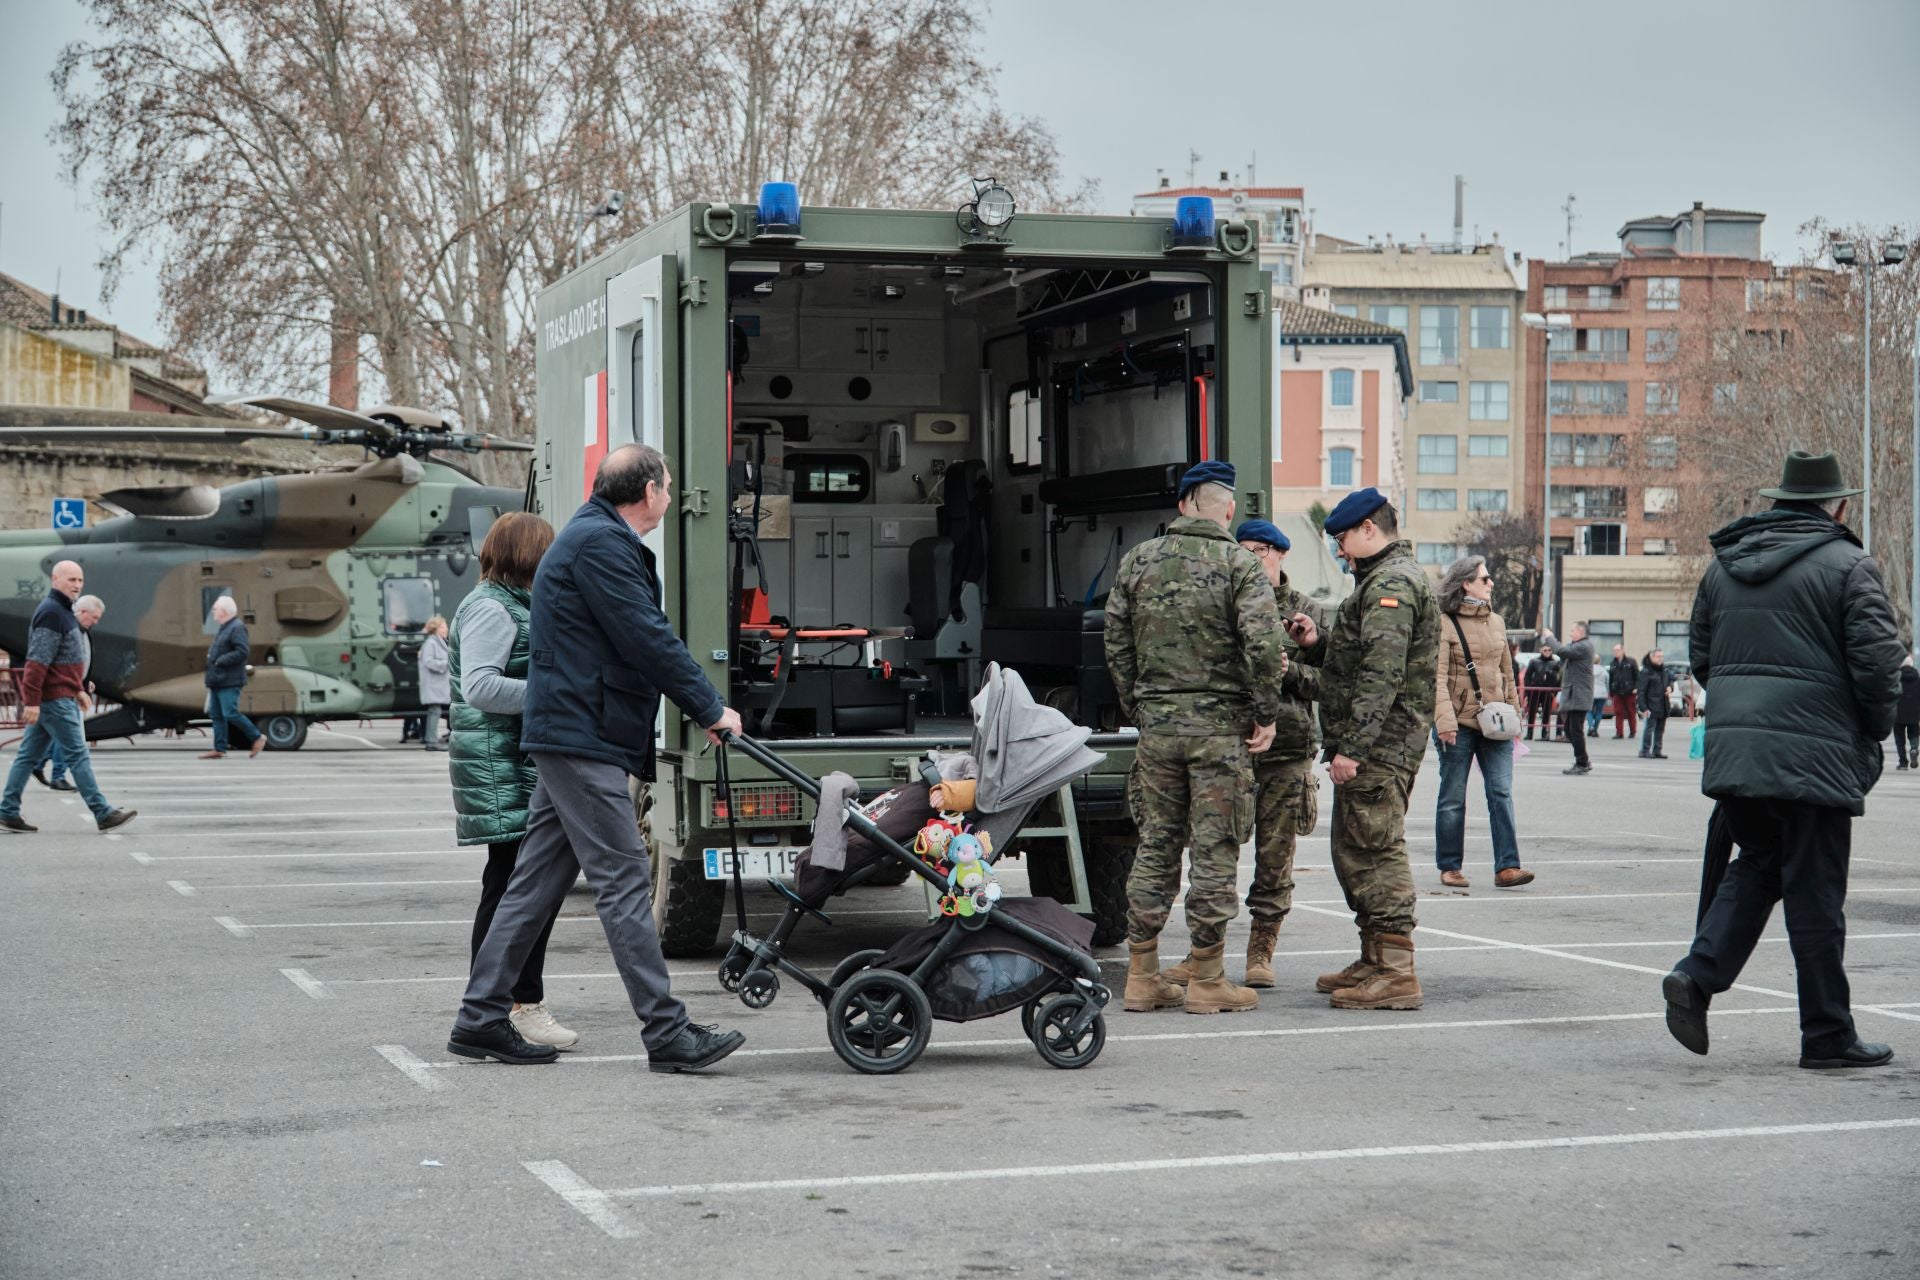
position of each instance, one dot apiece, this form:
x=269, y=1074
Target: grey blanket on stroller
x=992, y=971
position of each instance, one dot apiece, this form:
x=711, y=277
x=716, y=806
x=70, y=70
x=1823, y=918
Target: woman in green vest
x=492, y=778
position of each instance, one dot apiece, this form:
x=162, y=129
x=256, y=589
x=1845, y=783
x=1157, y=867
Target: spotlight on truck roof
x=778, y=213
x=984, y=218
x=1192, y=225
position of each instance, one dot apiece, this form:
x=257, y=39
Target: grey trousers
x=581, y=820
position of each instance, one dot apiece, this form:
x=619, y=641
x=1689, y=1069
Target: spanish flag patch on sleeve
x=1388, y=602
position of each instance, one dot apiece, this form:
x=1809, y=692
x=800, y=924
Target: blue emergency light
x=778, y=212
x=1193, y=223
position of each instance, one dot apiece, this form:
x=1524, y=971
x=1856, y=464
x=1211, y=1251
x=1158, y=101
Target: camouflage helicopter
x=335, y=571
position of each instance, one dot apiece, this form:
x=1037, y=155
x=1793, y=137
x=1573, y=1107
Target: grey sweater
x=487, y=634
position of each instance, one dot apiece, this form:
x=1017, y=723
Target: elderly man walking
x=1793, y=631
x=87, y=611
x=226, y=677
x=52, y=686
x=603, y=652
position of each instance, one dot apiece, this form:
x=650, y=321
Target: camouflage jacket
x=1376, y=662
x=1295, y=733
x=1193, y=639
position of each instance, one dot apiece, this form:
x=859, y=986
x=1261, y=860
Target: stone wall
x=32, y=476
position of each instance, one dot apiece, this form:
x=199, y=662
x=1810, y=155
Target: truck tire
x=284, y=733
x=686, y=907
x=1108, y=851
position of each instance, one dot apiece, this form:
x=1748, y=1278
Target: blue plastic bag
x=1697, y=749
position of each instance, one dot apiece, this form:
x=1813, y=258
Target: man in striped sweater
x=52, y=683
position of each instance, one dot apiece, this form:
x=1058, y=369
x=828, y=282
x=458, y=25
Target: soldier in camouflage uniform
x=1194, y=645
x=1286, y=794
x=1376, y=685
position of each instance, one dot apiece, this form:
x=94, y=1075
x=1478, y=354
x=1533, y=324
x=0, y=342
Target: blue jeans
x=59, y=726
x=226, y=711
x=1450, y=822
x=57, y=765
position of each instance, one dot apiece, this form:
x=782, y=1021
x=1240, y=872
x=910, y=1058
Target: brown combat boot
x=1148, y=988
x=1209, y=991
x=1357, y=972
x=1260, y=952
x=1182, y=973
x=1391, y=986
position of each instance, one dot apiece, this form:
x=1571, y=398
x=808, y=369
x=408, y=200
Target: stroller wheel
x=1030, y=1011
x=732, y=969
x=852, y=965
x=879, y=1021
x=757, y=990
x=1057, y=1039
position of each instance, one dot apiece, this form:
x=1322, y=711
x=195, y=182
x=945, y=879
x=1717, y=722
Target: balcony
x=1606, y=409
x=1591, y=357
x=1581, y=302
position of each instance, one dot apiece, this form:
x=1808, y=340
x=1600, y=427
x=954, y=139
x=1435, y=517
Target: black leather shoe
x=40, y=775
x=61, y=784
x=501, y=1042
x=1858, y=1054
x=694, y=1049
x=118, y=818
x=1579, y=769
x=1687, y=1010
x=16, y=824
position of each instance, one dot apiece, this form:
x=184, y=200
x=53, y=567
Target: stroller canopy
x=1024, y=750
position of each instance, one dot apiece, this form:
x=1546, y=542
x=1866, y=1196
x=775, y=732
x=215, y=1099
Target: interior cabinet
x=872, y=344
x=832, y=570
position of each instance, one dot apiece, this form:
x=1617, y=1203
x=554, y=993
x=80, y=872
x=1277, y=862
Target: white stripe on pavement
x=411, y=1066
x=308, y=983
x=581, y=1195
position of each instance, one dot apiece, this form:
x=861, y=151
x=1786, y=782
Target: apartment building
x=1341, y=387
x=1459, y=308
x=1615, y=394
x=1277, y=214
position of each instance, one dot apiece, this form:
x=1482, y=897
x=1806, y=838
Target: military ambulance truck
x=904, y=445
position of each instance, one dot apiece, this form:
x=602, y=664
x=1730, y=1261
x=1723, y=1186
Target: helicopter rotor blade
x=211, y=433
x=480, y=443
x=329, y=417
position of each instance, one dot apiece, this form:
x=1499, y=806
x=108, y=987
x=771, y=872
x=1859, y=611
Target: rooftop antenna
x=1459, y=207
x=1566, y=248
x=1252, y=156
x=1193, y=166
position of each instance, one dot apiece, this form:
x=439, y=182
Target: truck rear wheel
x=686, y=906
x=1108, y=851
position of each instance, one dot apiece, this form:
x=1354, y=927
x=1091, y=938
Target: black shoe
x=1579, y=768
x=1687, y=1011
x=40, y=775
x=1646, y=755
x=16, y=824
x=118, y=818
x=1858, y=1054
x=1659, y=755
x=694, y=1049
x=501, y=1042
x=61, y=784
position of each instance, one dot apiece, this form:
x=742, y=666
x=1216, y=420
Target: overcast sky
x=1635, y=107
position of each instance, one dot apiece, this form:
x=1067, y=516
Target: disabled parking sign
x=69, y=513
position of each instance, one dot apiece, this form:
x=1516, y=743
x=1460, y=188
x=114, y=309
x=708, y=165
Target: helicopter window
x=408, y=603
x=207, y=596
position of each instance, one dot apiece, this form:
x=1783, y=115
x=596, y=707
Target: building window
x=1599, y=297
x=1590, y=501
x=1340, y=389
x=1340, y=468
x=1663, y=398
x=1663, y=293
x=1673, y=641
x=1663, y=452
x=1592, y=346
x=1658, y=500
x=1725, y=396
x=1487, y=446
x=1492, y=328
x=1439, y=455
x=1655, y=546
x=1602, y=540
x=1662, y=345
x=1347, y=309
x=1437, y=499
x=1580, y=449
x=1439, y=335
x=1392, y=316
x=1606, y=633
x=1577, y=398
x=1487, y=401
x=1559, y=342
x=1439, y=393
x=1486, y=499
x=1441, y=553
x=1554, y=297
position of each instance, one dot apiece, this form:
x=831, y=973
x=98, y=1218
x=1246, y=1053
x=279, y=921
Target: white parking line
x=338, y=884
x=233, y=926
x=596, y=1204
x=467, y=921
x=308, y=983
x=182, y=888
x=228, y=834
x=352, y=853
x=144, y=859
x=168, y=815
x=411, y=1066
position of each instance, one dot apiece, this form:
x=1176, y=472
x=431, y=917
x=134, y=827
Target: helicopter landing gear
x=284, y=733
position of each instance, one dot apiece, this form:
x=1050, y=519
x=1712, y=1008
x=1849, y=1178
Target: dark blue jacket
x=227, y=656
x=603, y=650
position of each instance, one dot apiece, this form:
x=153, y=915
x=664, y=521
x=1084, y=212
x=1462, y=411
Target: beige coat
x=1454, y=703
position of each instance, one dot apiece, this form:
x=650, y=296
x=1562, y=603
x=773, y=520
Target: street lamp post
x=1549, y=325
x=1847, y=254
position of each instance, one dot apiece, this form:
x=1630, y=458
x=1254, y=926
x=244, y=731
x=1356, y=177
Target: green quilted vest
x=492, y=779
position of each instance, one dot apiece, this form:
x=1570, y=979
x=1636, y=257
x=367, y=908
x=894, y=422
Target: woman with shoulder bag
x=1474, y=719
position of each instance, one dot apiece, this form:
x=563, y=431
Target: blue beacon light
x=778, y=211
x=1193, y=223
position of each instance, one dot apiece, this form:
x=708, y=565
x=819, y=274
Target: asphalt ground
x=226, y=1058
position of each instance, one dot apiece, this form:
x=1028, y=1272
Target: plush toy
x=935, y=838
x=971, y=882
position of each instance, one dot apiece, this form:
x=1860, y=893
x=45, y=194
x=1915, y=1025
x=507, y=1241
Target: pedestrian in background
x=1793, y=632
x=1576, y=694
x=1542, y=687
x=1597, y=708
x=1377, y=661
x=436, y=688
x=605, y=653
x=87, y=611
x=493, y=779
x=51, y=689
x=1195, y=646
x=1906, y=716
x=1475, y=668
x=1623, y=690
x=226, y=676
x=1654, y=707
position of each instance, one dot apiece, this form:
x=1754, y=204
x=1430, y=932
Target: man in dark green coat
x=1793, y=630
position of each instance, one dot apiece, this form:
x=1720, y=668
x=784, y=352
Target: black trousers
x=1906, y=740
x=1540, y=705
x=1574, y=725
x=1796, y=854
x=531, y=987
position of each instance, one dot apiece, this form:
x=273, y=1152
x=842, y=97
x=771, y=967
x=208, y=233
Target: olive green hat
x=1809, y=477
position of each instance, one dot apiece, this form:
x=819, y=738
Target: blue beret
x=1206, y=473
x=1263, y=531
x=1354, y=508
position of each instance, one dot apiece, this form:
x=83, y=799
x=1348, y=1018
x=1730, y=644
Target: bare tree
x=1511, y=545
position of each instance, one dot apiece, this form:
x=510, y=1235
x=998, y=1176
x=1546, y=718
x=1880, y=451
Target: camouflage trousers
x=1286, y=806
x=1193, y=793
x=1370, y=846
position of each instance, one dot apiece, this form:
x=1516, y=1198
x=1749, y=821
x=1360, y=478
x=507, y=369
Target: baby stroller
x=989, y=955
